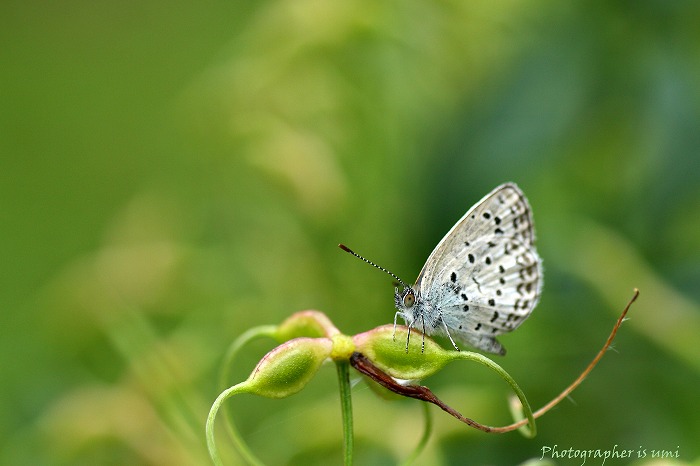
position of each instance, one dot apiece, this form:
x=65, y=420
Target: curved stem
x=346, y=408
x=593, y=363
x=530, y=419
x=567, y=391
x=238, y=343
x=211, y=441
x=424, y=438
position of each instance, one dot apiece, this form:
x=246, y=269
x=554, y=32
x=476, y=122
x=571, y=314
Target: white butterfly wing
x=502, y=212
x=489, y=264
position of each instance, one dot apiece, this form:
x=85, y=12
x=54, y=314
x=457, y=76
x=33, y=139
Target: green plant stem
x=343, y=368
x=476, y=357
x=243, y=449
x=238, y=343
x=242, y=340
x=424, y=438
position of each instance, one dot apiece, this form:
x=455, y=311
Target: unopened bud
x=389, y=353
x=288, y=368
x=312, y=324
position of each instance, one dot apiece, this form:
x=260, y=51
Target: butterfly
x=483, y=279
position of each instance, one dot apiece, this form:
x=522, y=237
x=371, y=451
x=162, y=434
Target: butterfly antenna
x=347, y=249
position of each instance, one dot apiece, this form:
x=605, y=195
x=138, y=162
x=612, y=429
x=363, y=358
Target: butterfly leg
x=448, y=334
x=410, y=325
x=408, y=335
x=395, y=316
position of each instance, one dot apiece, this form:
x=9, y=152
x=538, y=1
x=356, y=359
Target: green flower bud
x=312, y=324
x=288, y=368
x=389, y=353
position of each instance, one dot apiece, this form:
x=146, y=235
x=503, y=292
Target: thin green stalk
x=346, y=408
x=424, y=438
x=243, y=449
x=242, y=340
x=476, y=357
x=238, y=343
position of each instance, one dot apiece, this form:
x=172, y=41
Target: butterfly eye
x=409, y=299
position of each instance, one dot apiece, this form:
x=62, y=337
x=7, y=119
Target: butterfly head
x=405, y=298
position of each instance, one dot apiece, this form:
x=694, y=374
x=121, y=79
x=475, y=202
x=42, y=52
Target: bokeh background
x=174, y=173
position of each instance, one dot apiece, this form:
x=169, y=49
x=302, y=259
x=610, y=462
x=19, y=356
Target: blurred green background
x=174, y=173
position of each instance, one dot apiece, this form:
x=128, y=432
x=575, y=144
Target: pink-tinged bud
x=389, y=353
x=312, y=324
x=288, y=368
